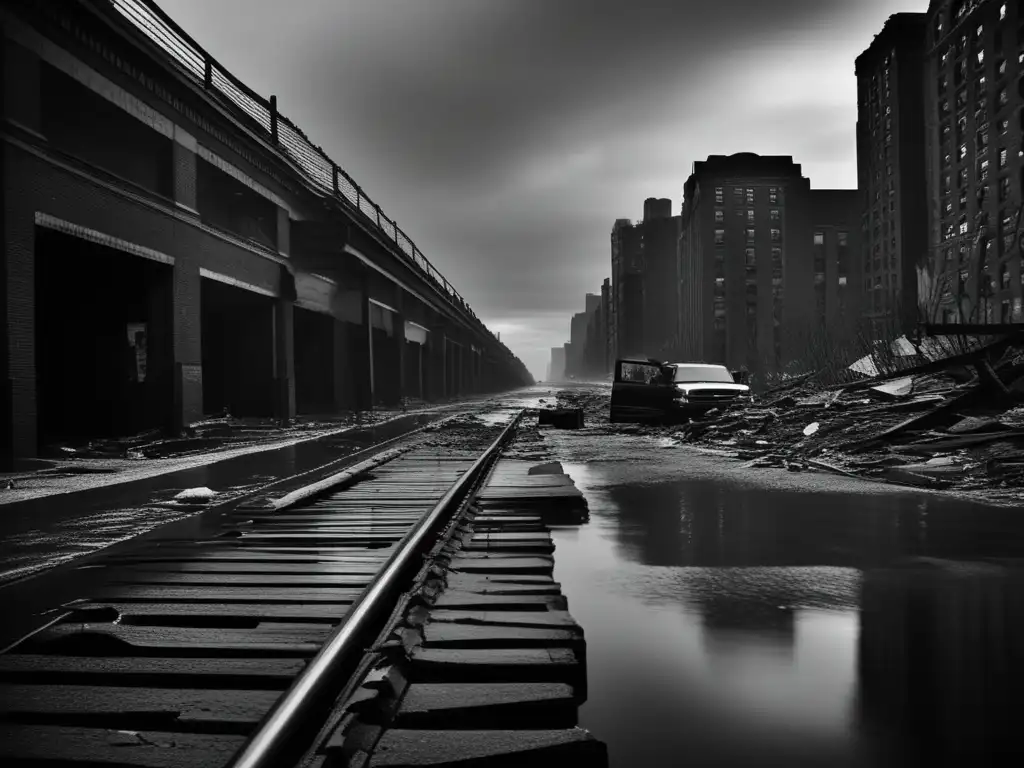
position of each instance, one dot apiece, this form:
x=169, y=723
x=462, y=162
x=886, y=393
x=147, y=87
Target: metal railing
x=262, y=114
x=300, y=711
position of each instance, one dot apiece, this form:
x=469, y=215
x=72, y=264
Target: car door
x=635, y=391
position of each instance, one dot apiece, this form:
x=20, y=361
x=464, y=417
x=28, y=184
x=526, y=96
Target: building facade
x=556, y=368
x=891, y=174
x=973, y=101
x=659, y=241
x=627, y=287
x=753, y=282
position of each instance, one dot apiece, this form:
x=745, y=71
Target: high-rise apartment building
x=891, y=172
x=764, y=262
x=973, y=124
x=608, y=350
x=659, y=242
x=627, y=288
x=556, y=368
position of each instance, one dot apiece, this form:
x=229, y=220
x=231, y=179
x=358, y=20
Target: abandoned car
x=649, y=390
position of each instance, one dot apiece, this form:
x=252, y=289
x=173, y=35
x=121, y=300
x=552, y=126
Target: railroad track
x=235, y=650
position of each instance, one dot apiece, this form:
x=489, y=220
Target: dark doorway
x=103, y=340
x=387, y=385
x=238, y=350
x=314, y=362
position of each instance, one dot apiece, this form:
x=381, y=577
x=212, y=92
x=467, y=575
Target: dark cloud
x=507, y=135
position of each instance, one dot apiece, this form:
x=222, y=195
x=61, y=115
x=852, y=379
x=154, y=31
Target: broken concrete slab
x=488, y=705
x=547, y=468
x=524, y=600
x=538, y=619
x=446, y=635
x=561, y=418
x=486, y=581
x=541, y=749
x=496, y=665
x=504, y=564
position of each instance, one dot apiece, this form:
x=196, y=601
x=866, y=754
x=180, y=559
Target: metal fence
x=262, y=114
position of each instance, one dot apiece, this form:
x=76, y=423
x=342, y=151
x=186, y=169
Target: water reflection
x=710, y=523
x=941, y=664
x=758, y=626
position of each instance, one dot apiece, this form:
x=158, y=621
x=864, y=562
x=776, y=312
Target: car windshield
x=703, y=373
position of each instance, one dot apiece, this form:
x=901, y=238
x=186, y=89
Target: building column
x=398, y=322
x=284, y=347
x=21, y=107
x=186, y=386
x=434, y=363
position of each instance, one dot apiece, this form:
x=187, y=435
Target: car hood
x=703, y=386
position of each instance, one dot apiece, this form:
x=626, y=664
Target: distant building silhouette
x=627, y=287
x=972, y=113
x=659, y=242
x=556, y=370
x=753, y=285
x=891, y=171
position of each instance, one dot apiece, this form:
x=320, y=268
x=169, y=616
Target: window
x=819, y=238
x=980, y=58
x=737, y=195
x=1002, y=11
x=776, y=235
x=1002, y=157
x=750, y=235
x=750, y=216
x=1004, y=125
x=1004, y=276
x=963, y=224
x=773, y=195
x=719, y=195
x=750, y=196
x=981, y=140
x=751, y=257
x=1004, y=311
x=719, y=216
x=1004, y=188
x=719, y=286
x=719, y=236
x=1003, y=98
x=1001, y=67
x=773, y=214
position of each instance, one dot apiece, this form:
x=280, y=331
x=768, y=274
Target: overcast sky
x=506, y=136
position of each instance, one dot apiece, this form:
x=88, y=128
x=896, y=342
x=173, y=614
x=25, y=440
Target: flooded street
x=738, y=617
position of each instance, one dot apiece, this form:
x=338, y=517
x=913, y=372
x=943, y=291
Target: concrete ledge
x=541, y=749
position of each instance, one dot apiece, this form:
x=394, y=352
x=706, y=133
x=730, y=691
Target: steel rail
x=276, y=742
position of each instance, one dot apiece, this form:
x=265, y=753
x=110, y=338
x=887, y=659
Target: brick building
x=891, y=172
x=166, y=257
x=973, y=100
x=764, y=261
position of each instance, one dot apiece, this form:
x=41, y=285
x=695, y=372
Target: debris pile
x=956, y=422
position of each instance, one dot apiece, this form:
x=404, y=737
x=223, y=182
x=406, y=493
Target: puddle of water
x=736, y=625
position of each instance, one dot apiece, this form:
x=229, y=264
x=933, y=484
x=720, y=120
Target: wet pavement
x=754, y=618
x=44, y=532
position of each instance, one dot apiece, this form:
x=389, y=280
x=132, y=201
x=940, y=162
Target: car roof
x=700, y=365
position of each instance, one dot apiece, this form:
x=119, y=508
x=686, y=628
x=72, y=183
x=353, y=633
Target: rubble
x=955, y=423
